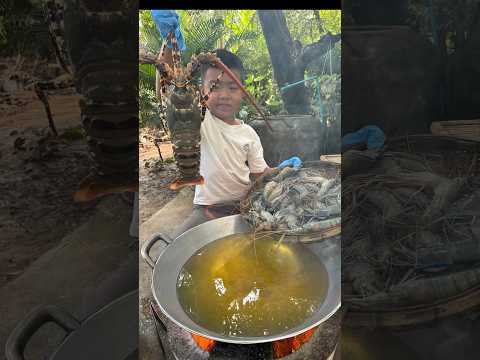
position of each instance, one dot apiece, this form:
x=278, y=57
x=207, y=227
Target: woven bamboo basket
x=460, y=158
x=328, y=170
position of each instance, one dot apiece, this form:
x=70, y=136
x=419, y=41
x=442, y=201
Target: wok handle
x=26, y=328
x=145, y=250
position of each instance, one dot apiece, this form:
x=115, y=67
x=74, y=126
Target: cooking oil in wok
x=236, y=286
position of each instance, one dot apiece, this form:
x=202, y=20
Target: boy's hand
x=292, y=162
x=167, y=21
x=268, y=170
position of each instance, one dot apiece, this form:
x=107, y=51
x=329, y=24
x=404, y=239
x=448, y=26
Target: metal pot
x=111, y=333
x=170, y=262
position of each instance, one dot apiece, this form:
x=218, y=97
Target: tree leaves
x=239, y=31
x=146, y=76
x=203, y=36
x=236, y=40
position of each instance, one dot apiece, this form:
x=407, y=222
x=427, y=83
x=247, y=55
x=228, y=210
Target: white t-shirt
x=224, y=151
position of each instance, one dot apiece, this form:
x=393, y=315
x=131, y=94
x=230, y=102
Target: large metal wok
x=111, y=333
x=169, y=263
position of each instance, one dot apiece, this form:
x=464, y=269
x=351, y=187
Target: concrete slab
x=165, y=220
x=71, y=274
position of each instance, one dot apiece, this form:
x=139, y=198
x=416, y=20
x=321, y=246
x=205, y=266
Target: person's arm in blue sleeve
x=166, y=22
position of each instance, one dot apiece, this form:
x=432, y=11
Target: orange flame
x=203, y=343
x=281, y=348
x=285, y=347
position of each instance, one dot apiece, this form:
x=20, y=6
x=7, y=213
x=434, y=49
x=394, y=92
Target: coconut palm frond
x=235, y=40
x=202, y=37
x=152, y=40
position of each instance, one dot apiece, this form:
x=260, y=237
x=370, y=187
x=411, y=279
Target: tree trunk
x=288, y=60
x=459, y=26
x=321, y=29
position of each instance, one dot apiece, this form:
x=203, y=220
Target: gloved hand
x=372, y=135
x=292, y=162
x=167, y=21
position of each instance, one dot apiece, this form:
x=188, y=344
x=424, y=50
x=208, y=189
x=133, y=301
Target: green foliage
x=240, y=32
x=303, y=25
x=149, y=113
x=240, y=28
x=330, y=92
x=329, y=63
x=200, y=34
x=265, y=90
x=150, y=40
x=146, y=76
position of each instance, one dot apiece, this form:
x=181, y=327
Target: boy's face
x=225, y=99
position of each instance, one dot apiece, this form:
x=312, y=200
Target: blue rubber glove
x=167, y=21
x=292, y=162
x=371, y=134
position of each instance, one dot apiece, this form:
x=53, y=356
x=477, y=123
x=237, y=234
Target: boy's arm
x=268, y=170
x=258, y=177
x=293, y=162
x=256, y=163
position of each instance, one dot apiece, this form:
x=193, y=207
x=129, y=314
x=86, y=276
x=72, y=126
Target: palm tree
x=203, y=31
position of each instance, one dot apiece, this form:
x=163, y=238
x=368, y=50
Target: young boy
x=230, y=150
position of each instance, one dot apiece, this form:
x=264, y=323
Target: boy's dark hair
x=232, y=61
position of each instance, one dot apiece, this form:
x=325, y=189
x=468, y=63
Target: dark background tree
x=450, y=25
x=377, y=12
x=290, y=58
x=23, y=29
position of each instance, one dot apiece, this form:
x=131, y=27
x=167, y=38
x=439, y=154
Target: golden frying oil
x=236, y=286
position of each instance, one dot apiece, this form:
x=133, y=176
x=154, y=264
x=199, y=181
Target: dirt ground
x=154, y=175
x=38, y=175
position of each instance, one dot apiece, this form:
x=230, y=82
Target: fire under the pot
x=318, y=343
